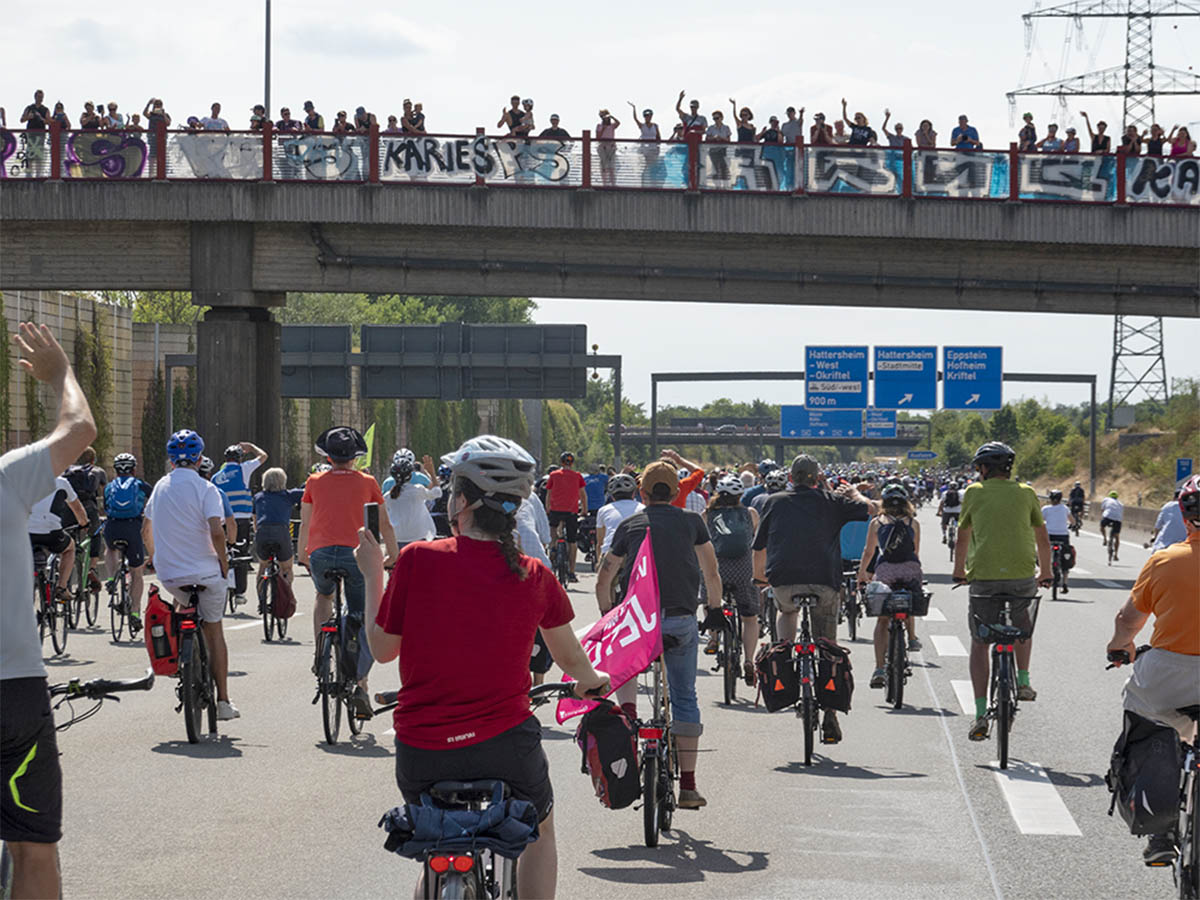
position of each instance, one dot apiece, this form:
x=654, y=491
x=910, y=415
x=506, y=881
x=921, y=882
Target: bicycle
x=806, y=663
x=1187, y=831
x=1111, y=543
x=336, y=681
x=1056, y=554
x=197, y=688
x=729, y=651
x=900, y=605
x=118, y=595
x=238, y=557
x=86, y=589
x=1076, y=522
x=1004, y=635
x=659, y=758
x=952, y=535
x=767, y=624
x=54, y=610
x=851, y=609
x=266, y=600
x=587, y=540
x=561, y=563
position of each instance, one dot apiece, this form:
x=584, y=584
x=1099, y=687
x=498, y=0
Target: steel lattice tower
x=1138, y=364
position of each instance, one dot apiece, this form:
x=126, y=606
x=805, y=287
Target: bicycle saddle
x=118, y=545
x=337, y=573
x=1192, y=712
x=192, y=588
x=461, y=793
x=808, y=600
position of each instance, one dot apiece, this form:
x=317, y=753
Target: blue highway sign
x=921, y=454
x=880, y=423
x=835, y=377
x=974, y=378
x=1183, y=468
x=906, y=377
x=797, y=421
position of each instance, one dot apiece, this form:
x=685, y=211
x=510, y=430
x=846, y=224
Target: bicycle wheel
x=897, y=651
x=1188, y=868
x=43, y=616
x=650, y=800
x=116, y=613
x=268, y=610
x=728, y=663
x=281, y=627
x=60, y=622
x=208, y=684
x=666, y=784
x=852, y=615
x=1054, y=584
x=454, y=886
x=229, y=601
x=91, y=606
x=355, y=723
x=189, y=687
x=328, y=683
x=1004, y=709
x=808, y=712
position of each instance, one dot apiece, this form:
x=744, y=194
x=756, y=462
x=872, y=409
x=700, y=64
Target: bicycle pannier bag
x=161, y=641
x=835, y=682
x=1144, y=775
x=608, y=741
x=777, y=680
x=285, y=600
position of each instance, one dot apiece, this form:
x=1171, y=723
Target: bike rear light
x=328, y=629
x=729, y=613
x=463, y=863
x=439, y=864
x=187, y=625
x=650, y=733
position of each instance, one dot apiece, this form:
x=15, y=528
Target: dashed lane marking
x=257, y=623
x=1079, y=570
x=948, y=645
x=965, y=694
x=1034, y=802
x=1104, y=582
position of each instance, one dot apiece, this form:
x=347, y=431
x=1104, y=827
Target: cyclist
x=1112, y=511
x=1166, y=678
x=1168, y=527
x=46, y=524
x=464, y=715
x=892, y=552
x=999, y=527
x=233, y=479
x=441, y=524
x=125, y=500
x=89, y=480
x=205, y=470
x=689, y=476
x=623, y=490
x=774, y=481
x=683, y=553
x=797, y=550
x=566, y=497
x=1076, y=500
x=731, y=527
x=950, y=506
x=273, y=507
x=596, y=485
x=331, y=512
x=30, y=774
x=765, y=467
x=184, y=535
x=1058, y=530
x=407, y=499
x=419, y=477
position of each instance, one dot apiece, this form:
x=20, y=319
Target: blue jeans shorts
x=323, y=559
x=680, y=659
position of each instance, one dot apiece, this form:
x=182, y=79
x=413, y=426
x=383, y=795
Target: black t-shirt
x=560, y=133
x=801, y=532
x=746, y=134
x=861, y=135
x=771, y=136
x=39, y=116
x=674, y=534
x=1101, y=143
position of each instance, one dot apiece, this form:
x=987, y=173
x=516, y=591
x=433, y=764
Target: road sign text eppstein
x=973, y=378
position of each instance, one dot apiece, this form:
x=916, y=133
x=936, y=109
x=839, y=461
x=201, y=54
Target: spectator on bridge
x=861, y=133
x=1027, y=140
x=794, y=126
x=88, y=119
x=820, y=135
x=965, y=137
x=1051, y=143
x=839, y=132
x=606, y=133
x=895, y=138
x=340, y=125
x=193, y=124
x=363, y=120
x=693, y=122
x=926, y=137
x=718, y=132
x=677, y=133
x=114, y=120
x=1153, y=140
x=213, y=121
x=313, y=120
x=771, y=134
x=1131, y=142
x=393, y=126
x=1071, y=144
x=258, y=115
x=60, y=116
x=155, y=114
x=286, y=123
x=511, y=117
x=746, y=132
x=647, y=127
x=555, y=130
x=413, y=120
x=1181, y=141
x=1101, y=142
x=36, y=117
x=135, y=123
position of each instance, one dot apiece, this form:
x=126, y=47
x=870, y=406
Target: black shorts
x=947, y=518
x=514, y=756
x=97, y=531
x=273, y=539
x=572, y=520
x=30, y=775
x=541, y=660
x=129, y=531
x=54, y=541
x=1113, y=524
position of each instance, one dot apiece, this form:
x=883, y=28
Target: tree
x=154, y=429
x=1003, y=426
x=164, y=307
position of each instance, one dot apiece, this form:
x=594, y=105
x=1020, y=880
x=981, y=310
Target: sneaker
x=1026, y=694
x=979, y=729
x=362, y=704
x=227, y=711
x=93, y=581
x=135, y=625
x=1064, y=590
x=748, y=673
x=1160, y=850
x=831, y=731
x=878, y=677
x=714, y=639
x=691, y=800
x=239, y=600
x=914, y=645
x=572, y=578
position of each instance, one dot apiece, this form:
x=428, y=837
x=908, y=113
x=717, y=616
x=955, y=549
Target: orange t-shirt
x=1169, y=588
x=689, y=484
x=562, y=490
x=337, y=499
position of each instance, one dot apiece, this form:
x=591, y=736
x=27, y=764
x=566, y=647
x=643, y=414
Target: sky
x=464, y=60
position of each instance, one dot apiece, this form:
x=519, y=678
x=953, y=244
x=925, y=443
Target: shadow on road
x=222, y=746
x=832, y=768
x=1068, y=599
x=679, y=858
x=916, y=710
x=361, y=745
x=59, y=661
x=1074, y=779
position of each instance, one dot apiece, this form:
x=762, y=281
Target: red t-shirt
x=562, y=490
x=467, y=625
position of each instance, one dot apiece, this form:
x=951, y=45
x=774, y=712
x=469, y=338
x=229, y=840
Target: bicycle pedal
x=1159, y=864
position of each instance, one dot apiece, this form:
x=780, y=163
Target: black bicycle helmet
x=402, y=470
x=1056, y=496
x=996, y=454
x=566, y=457
x=233, y=453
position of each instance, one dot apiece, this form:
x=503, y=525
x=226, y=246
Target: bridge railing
x=589, y=163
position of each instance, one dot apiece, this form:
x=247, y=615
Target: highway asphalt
x=904, y=806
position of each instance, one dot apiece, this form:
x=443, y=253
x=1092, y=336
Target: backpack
x=608, y=741
x=950, y=498
x=82, y=481
x=835, y=682
x=777, y=680
x=729, y=528
x=896, y=542
x=123, y=498
x=1143, y=775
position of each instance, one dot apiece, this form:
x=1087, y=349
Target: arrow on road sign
x=907, y=398
x=974, y=398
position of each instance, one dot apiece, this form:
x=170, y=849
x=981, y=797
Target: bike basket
x=989, y=625
x=904, y=600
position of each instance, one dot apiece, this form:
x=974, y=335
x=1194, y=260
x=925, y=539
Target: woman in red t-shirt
x=461, y=614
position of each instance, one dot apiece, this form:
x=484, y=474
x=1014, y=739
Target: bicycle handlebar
x=102, y=688
x=1118, y=658
x=555, y=690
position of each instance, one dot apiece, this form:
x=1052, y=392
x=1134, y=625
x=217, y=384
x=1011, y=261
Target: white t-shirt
x=791, y=130
x=178, y=510
x=408, y=513
x=25, y=475
x=613, y=514
x=533, y=528
x=717, y=132
x=211, y=123
x=1057, y=517
x=41, y=520
x=1111, y=508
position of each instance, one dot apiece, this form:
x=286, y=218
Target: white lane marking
x=962, y=786
x=948, y=645
x=934, y=615
x=965, y=693
x=255, y=624
x=1080, y=570
x=1033, y=801
x=1104, y=582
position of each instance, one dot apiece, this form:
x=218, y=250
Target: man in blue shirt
x=1168, y=527
x=965, y=137
x=233, y=480
x=596, y=486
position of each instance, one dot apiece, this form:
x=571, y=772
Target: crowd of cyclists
x=482, y=552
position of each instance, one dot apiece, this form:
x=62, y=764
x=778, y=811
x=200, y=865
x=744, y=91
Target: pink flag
x=628, y=638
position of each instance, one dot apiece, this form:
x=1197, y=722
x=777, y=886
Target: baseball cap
x=308, y=104
x=804, y=467
x=659, y=472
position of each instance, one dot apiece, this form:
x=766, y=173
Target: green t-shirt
x=1002, y=515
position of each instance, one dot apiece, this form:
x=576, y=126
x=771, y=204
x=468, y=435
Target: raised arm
x=1088, y=123
x=887, y=117
x=678, y=108
x=844, y=117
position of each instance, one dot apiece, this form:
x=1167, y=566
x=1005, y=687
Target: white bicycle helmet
x=776, y=480
x=683, y=473
x=403, y=453
x=730, y=484
x=622, y=484
x=494, y=464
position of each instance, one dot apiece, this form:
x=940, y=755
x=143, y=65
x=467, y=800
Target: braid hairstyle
x=493, y=521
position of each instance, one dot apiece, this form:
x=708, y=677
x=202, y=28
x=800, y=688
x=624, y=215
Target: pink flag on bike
x=628, y=638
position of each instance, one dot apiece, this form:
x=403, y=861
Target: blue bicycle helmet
x=185, y=446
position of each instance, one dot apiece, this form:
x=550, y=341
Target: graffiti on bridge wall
x=24, y=154
x=93, y=154
x=960, y=173
x=1063, y=177
x=740, y=167
x=854, y=170
x=465, y=159
x=1151, y=180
